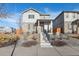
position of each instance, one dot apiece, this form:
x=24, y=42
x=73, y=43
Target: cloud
x=52, y=13
x=11, y=21
x=76, y=9
x=13, y=18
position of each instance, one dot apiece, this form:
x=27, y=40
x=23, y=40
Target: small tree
x=3, y=11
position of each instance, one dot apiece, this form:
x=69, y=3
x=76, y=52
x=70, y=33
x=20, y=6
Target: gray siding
x=59, y=22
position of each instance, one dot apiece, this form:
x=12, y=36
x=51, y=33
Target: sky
x=16, y=9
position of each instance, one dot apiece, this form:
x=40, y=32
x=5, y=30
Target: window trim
x=31, y=16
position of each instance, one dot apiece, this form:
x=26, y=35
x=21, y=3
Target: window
x=31, y=16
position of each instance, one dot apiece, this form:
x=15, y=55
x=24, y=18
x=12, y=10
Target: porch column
x=77, y=27
x=51, y=27
x=72, y=28
x=36, y=29
x=38, y=23
x=39, y=28
x=48, y=27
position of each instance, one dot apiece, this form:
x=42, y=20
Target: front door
x=46, y=27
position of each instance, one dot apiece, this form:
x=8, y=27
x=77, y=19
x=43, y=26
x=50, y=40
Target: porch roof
x=75, y=22
x=43, y=21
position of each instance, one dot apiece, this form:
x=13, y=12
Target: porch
x=75, y=26
x=43, y=24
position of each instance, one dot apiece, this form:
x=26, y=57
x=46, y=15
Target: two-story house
x=5, y=29
x=34, y=21
x=65, y=21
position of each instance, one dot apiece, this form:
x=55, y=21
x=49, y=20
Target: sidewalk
x=39, y=51
x=6, y=51
x=26, y=51
x=71, y=49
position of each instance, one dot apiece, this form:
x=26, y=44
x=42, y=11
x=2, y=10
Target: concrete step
x=46, y=46
x=43, y=44
x=44, y=41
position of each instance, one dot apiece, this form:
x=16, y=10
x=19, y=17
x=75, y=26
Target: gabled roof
x=36, y=11
x=31, y=9
x=67, y=12
x=71, y=11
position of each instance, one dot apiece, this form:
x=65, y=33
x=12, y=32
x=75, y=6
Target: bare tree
x=3, y=11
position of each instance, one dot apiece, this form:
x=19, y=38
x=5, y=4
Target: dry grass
x=32, y=37
x=74, y=36
x=7, y=39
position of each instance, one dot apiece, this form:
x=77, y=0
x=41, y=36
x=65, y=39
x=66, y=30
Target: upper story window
x=31, y=16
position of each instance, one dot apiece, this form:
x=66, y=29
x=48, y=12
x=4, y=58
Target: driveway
x=6, y=51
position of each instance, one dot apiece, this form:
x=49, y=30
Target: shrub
x=7, y=39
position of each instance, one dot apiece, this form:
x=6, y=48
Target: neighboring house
x=64, y=21
x=4, y=29
x=33, y=21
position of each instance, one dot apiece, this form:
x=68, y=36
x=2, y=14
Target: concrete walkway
x=6, y=51
x=39, y=51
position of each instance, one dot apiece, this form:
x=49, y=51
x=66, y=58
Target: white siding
x=26, y=14
x=44, y=17
x=26, y=21
x=68, y=20
x=78, y=16
x=70, y=16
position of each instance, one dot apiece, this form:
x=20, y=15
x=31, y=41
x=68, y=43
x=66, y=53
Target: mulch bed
x=58, y=43
x=7, y=43
x=29, y=43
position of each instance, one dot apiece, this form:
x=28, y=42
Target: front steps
x=44, y=41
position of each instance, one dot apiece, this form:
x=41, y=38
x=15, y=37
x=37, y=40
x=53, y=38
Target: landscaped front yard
x=7, y=39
